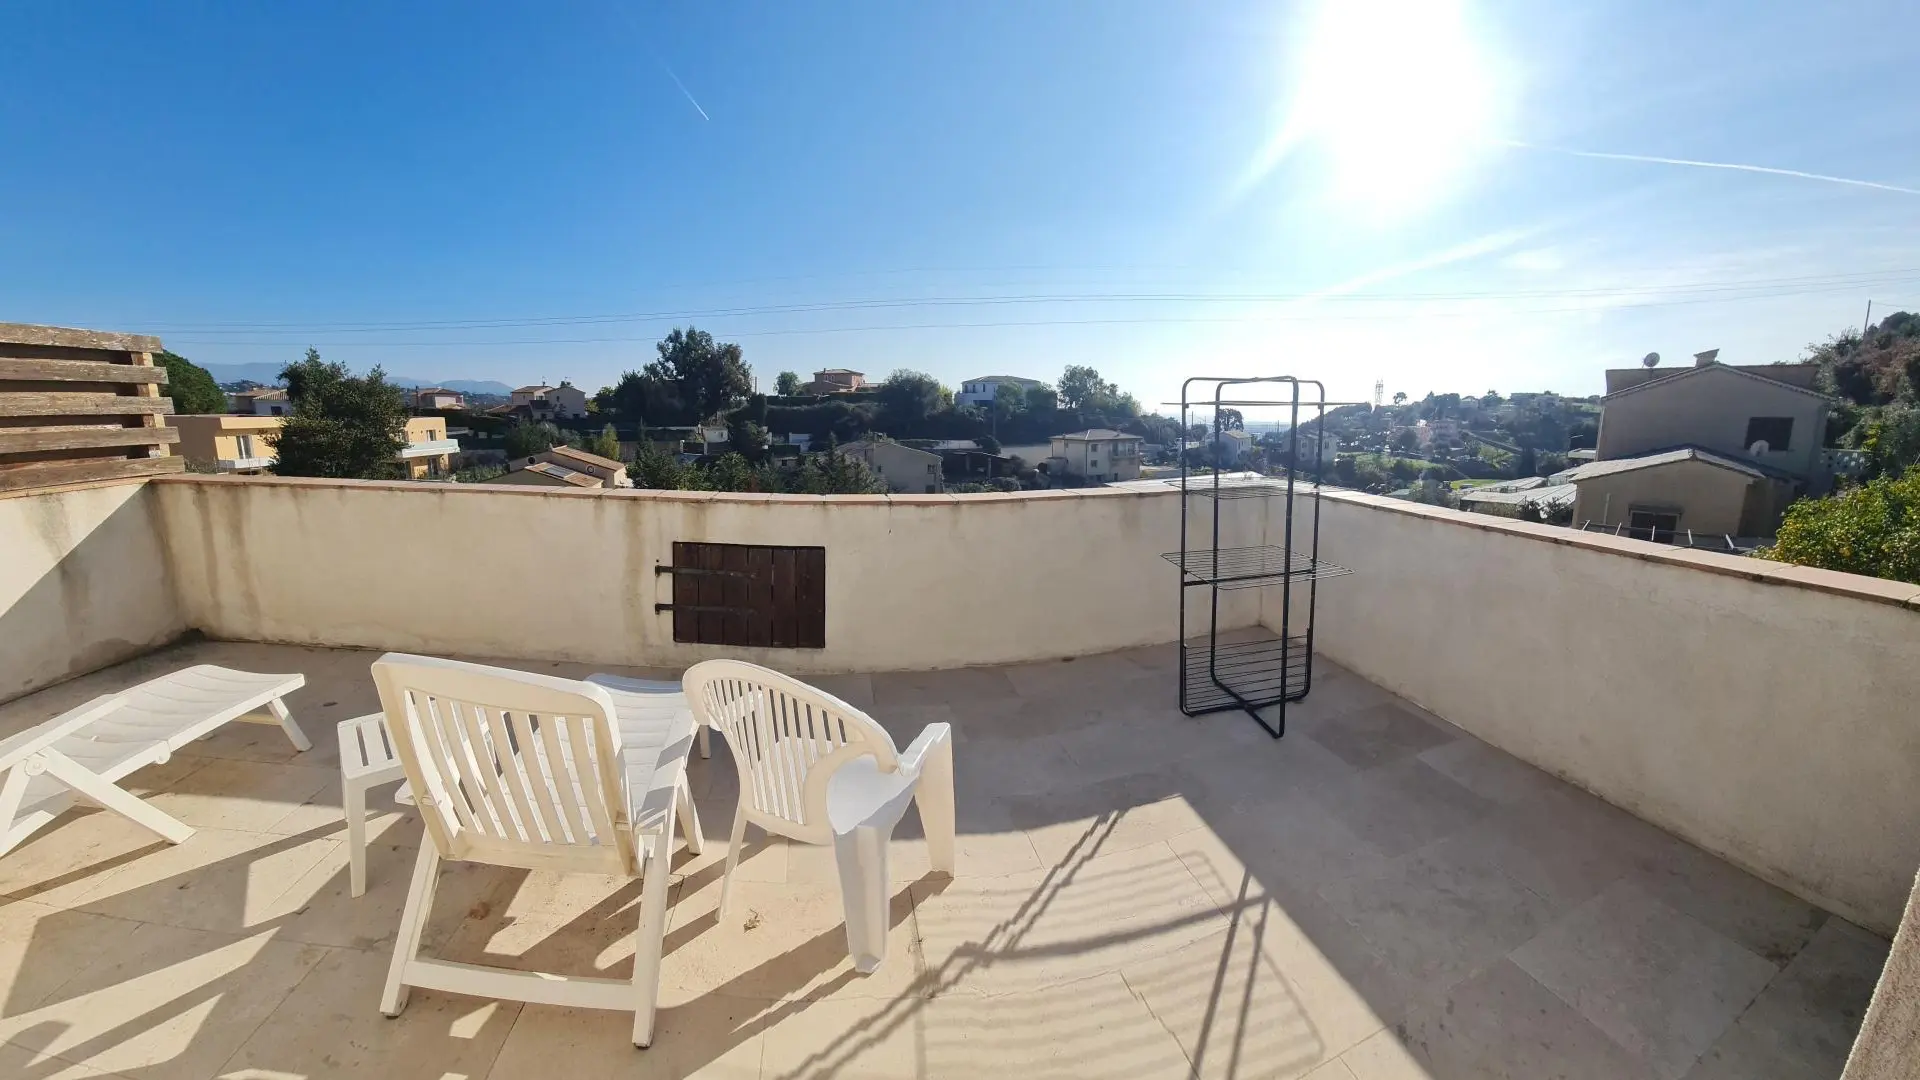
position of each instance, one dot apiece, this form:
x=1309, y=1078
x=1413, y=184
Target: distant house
x=1097, y=455
x=566, y=466
x=266, y=401
x=438, y=397
x=1442, y=430
x=835, y=381
x=1234, y=445
x=901, y=468
x=543, y=402
x=234, y=443
x=983, y=390
x=429, y=453
x=1712, y=448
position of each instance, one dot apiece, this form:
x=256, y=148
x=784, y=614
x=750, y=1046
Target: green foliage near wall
x=189, y=385
x=1872, y=530
x=342, y=426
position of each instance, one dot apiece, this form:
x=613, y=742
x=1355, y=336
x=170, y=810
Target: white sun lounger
x=87, y=751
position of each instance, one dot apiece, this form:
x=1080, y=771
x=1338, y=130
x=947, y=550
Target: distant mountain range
x=269, y=374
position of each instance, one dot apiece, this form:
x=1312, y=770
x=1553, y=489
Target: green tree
x=749, y=440
x=1873, y=529
x=1009, y=401
x=654, y=467
x=1230, y=420
x=787, y=384
x=1403, y=441
x=606, y=444
x=908, y=399
x=1042, y=399
x=341, y=426
x=1081, y=386
x=526, y=439
x=190, y=387
x=709, y=375
x=990, y=444
x=1527, y=463
x=1399, y=397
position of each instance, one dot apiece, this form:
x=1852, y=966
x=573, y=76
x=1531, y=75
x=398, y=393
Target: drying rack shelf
x=1239, y=675
x=1237, y=488
x=1250, y=567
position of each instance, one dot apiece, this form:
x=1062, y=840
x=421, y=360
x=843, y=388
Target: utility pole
x=1868, y=321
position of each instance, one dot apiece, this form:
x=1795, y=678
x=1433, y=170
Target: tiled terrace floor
x=1376, y=897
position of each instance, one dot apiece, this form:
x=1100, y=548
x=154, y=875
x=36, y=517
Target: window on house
x=930, y=469
x=1775, y=431
x=879, y=469
x=1655, y=525
x=244, y=446
x=748, y=594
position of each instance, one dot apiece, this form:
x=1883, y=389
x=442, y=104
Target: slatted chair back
x=510, y=767
x=787, y=739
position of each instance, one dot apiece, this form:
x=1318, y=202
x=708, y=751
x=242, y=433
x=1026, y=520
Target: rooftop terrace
x=1559, y=805
x=1379, y=895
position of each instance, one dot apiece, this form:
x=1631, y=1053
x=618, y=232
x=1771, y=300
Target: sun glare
x=1396, y=97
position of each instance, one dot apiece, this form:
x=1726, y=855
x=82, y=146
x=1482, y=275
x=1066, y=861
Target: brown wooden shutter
x=748, y=595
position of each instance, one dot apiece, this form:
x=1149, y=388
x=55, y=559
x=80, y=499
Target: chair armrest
x=35, y=739
x=931, y=738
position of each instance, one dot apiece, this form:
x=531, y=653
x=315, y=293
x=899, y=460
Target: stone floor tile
x=714, y=1038
x=331, y=1027
x=1662, y=984
x=40, y=946
x=1498, y=1025
x=21, y=1062
x=847, y=1039
x=1092, y=1028
x=320, y=909
x=1379, y=735
x=894, y=688
x=855, y=690
x=72, y=854
x=1227, y=775
x=1403, y=806
x=1804, y=1022
x=1072, y=921
x=562, y=924
x=1530, y=849
x=1256, y=999
x=1490, y=773
x=976, y=854
x=1437, y=916
x=778, y=942
x=170, y=1002
x=220, y=879
x=1769, y=921
x=250, y=795
x=1290, y=848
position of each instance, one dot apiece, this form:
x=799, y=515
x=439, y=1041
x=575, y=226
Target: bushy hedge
x=1872, y=530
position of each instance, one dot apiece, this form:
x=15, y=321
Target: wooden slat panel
x=21, y=440
x=685, y=626
x=785, y=629
x=760, y=596
x=810, y=597
x=47, y=474
x=81, y=371
x=734, y=590
x=45, y=404
x=711, y=594
x=67, y=337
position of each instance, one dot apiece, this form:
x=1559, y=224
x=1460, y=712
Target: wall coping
x=1855, y=586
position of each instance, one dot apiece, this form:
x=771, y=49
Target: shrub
x=1872, y=530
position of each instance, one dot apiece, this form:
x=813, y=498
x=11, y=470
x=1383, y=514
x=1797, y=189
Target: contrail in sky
x=1649, y=159
x=696, y=104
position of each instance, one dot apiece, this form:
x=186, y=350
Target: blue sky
x=1374, y=189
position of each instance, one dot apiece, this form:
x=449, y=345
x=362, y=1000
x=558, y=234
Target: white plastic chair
x=532, y=771
x=817, y=770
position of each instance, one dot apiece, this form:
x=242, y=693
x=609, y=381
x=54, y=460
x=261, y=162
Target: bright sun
x=1396, y=96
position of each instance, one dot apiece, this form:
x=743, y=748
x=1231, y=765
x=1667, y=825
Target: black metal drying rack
x=1251, y=675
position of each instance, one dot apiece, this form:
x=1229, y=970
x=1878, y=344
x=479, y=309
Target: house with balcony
x=983, y=391
x=1664, y=825
x=902, y=468
x=1097, y=455
x=234, y=442
x=429, y=453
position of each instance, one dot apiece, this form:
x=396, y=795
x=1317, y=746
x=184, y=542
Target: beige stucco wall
x=913, y=582
x=902, y=467
x=83, y=583
x=1709, y=499
x=205, y=439
x=1763, y=712
x=1888, y=1047
x=1711, y=410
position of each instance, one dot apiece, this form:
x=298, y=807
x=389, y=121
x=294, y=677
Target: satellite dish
x=1652, y=359
x=1759, y=447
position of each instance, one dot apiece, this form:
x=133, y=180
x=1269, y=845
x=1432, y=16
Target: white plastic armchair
x=817, y=770
x=525, y=770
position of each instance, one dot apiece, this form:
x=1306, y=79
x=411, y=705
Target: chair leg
x=649, y=938
x=413, y=921
x=934, y=795
x=294, y=734
x=734, y=843
x=706, y=740
x=354, y=801
x=689, y=817
x=861, y=858
x=12, y=793
x=121, y=802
